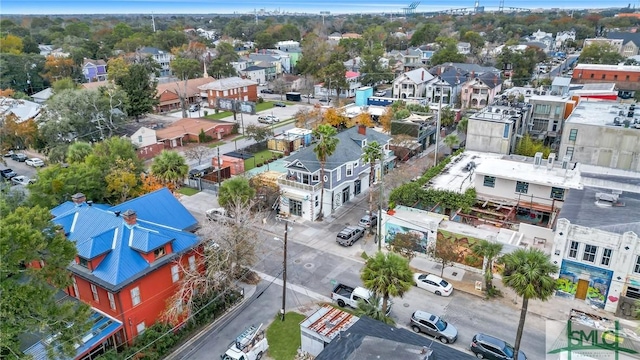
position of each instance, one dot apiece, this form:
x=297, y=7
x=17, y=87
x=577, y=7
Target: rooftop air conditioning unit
x=565, y=162
x=550, y=160
x=537, y=159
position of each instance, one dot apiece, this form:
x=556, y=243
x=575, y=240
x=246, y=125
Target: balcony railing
x=282, y=180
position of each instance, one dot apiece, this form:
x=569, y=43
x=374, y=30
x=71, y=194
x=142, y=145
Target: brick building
x=626, y=77
x=230, y=88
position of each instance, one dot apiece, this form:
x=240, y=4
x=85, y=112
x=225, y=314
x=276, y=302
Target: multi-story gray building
x=497, y=127
x=547, y=118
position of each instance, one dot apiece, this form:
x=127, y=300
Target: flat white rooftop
x=600, y=113
x=455, y=177
x=459, y=175
x=606, y=67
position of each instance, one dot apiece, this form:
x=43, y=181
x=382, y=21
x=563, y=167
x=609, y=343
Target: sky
x=46, y=7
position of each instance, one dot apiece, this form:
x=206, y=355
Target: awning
x=294, y=196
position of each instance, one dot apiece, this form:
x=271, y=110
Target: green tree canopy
x=140, y=86
x=170, y=167
x=387, y=275
x=600, y=53
x=529, y=147
x=34, y=258
x=235, y=192
x=448, y=52
x=325, y=147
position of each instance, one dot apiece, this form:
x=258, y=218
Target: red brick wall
x=627, y=80
x=238, y=94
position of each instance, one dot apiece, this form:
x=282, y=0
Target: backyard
x=260, y=158
x=223, y=114
x=284, y=336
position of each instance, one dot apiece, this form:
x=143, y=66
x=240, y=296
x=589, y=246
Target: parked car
x=433, y=283
x=484, y=346
x=267, y=91
x=279, y=104
x=8, y=153
x=265, y=120
x=22, y=180
x=432, y=325
x=19, y=157
x=324, y=100
x=346, y=295
x=35, y=162
x=7, y=173
x=194, y=107
x=273, y=118
x=368, y=221
x=218, y=214
x=381, y=93
x=349, y=235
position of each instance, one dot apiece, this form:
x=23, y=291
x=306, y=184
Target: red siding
x=155, y=289
x=237, y=94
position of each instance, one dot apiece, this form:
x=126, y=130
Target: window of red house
x=159, y=252
x=83, y=262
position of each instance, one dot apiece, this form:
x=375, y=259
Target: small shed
x=236, y=165
x=284, y=143
x=305, y=134
x=321, y=327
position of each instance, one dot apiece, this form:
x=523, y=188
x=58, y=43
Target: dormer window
x=159, y=252
x=83, y=262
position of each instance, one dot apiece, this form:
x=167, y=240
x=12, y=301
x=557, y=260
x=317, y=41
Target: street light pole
x=379, y=235
x=435, y=158
x=284, y=270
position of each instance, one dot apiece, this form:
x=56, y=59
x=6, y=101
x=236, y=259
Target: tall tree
x=598, y=53
x=489, y=252
x=387, y=275
x=123, y=180
x=140, y=86
x=78, y=151
x=221, y=67
x=529, y=274
x=372, y=309
x=334, y=76
x=185, y=69
x=235, y=192
x=425, y=34
x=170, y=167
x=448, y=52
x=117, y=68
x=444, y=251
x=325, y=147
x=315, y=55
x=451, y=140
x=34, y=257
x=373, y=73
x=372, y=153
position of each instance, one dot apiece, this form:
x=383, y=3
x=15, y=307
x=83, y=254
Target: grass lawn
x=259, y=107
x=284, y=336
x=219, y=116
x=188, y=191
x=258, y=158
x=214, y=145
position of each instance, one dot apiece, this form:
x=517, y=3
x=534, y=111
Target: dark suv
x=19, y=157
x=7, y=174
x=484, y=346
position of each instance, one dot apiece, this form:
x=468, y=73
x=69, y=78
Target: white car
x=35, y=162
x=433, y=283
x=22, y=180
x=273, y=118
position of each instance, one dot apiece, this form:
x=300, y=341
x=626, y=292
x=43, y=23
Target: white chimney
x=537, y=160
x=550, y=159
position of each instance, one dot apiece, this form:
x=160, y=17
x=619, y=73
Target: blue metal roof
x=96, y=231
x=160, y=207
x=147, y=241
x=102, y=326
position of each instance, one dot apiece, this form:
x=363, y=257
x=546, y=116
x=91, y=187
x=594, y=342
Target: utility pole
x=284, y=264
x=379, y=235
x=218, y=148
x=435, y=158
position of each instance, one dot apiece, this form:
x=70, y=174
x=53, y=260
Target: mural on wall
x=599, y=282
x=465, y=245
x=421, y=236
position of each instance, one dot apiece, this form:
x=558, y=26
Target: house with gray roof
x=255, y=73
x=235, y=88
x=346, y=174
x=270, y=62
x=411, y=84
x=480, y=91
x=630, y=42
x=163, y=58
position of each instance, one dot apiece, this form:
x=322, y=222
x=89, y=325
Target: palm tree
x=489, y=251
x=462, y=125
x=325, y=147
x=235, y=192
x=373, y=310
x=528, y=273
x=451, y=140
x=372, y=153
x=387, y=275
x=169, y=167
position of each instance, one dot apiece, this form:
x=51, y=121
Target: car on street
x=381, y=93
x=35, y=162
x=324, y=100
x=273, y=118
x=7, y=173
x=194, y=107
x=267, y=91
x=22, y=180
x=433, y=283
x=484, y=346
x=19, y=157
x=279, y=104
x=266, y=119
x=218, y=214
x=8, y=153
x=349, y=235
x=432, y=325
x=368, y=221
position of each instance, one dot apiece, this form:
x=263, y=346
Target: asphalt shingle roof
x=377, y=337
x=227, y=84
x=348, y=149
x=625, y=36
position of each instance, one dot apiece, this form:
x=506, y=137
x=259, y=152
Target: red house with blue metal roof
x=130, y=256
